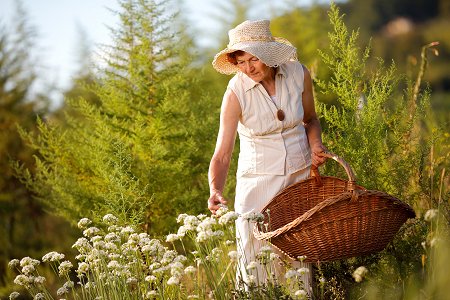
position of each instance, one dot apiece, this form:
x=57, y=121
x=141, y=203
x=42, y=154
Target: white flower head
x=28, y=269
x=91, y=231
x=53, y=256
x=233, y=255
x=250, y=280
x=190, y=270
x=13, y=263
x=252, y=216
x=83, y=268
x=301, y=294
x=39, y=279
x=84, y=223
x=174, y=280
x=23, y=280
x=29, y=261
x=151, y=278
x=303, y=271
x=39, y=296
x=291, y=274
x=223, y=209
x=61, y=291
x=252, y=265
x=228, y=218
x=360, y=273
x=430, y=215
x=127, y=230
x=170, y=238
x=14, y=295
x=110, y=219
x=64, y=268
x=181, y=217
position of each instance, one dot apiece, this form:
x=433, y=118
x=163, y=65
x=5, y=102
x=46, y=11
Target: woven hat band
x=250, y=39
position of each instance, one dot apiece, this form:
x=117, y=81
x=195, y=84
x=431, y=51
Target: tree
x=23, y=219
x=141, y=153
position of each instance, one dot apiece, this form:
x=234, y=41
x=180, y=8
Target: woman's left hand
x=316, y=154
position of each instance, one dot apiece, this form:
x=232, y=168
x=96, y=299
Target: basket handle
x=351, y=176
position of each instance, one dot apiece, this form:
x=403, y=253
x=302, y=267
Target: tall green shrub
x=141, y=153
x=378, y=121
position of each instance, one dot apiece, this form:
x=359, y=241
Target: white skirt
x=253, y=192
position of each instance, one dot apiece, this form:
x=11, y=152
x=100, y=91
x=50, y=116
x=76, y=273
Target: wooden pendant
x=280, y=115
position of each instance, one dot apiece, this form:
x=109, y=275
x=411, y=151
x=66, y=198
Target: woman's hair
x=231, y=57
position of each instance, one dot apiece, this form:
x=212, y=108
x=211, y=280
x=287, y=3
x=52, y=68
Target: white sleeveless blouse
x=267, y=145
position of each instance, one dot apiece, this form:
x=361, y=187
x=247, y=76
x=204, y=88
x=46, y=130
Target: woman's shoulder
x=294, y=66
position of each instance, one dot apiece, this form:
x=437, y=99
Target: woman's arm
x=311, y=122
x=220, y=162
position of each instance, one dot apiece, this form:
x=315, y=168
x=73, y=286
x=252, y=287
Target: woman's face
x=254, y=68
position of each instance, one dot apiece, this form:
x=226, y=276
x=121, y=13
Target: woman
x=269, y=102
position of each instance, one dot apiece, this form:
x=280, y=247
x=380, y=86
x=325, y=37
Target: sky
x=61, y=23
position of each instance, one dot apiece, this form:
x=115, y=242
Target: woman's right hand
x=216, y=201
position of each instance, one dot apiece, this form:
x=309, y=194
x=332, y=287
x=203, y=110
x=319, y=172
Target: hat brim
x=271, y=54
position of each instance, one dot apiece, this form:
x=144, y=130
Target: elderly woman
x=269, y=102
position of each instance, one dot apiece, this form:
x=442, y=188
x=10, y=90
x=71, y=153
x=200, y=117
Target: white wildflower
x=69, y=284
x=173, y=281
x=28, y=261
x=252, y=265
x=82, y=268
x=291, y=274
x=13, y=263
x=112, y=237
x=303, y=271
x=14, y=295
x=181, y=217
x=114, y=228
x=82, y=245
x=172, y=238
x=360, y=273
x=151, y=278
x=204, y=236
x=132, y=281
x=250, y=280
x=229, y=242
x=64, y=268
x=233, y=255
x=301, y=294
x=127, y=230
x=223, y=209
x=61, y=291
x=91, y=231
x=252, y=216
x=110, y=246
x=228, y=218
x=430, y=215
x=201, y=216
x=39, y=279
x=110, y=219
x=83, y=223
x=168, y=257
x=190, y=270
x=206, y=224
x=53, y=256
x=114, y=264
x=274, y=256
x=39, y=296
x=23, y=280
x=28, y=269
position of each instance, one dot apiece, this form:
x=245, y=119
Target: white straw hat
x=254, y=37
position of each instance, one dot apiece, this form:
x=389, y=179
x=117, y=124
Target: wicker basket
x=326, y=218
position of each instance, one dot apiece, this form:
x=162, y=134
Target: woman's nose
x=249, y=66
